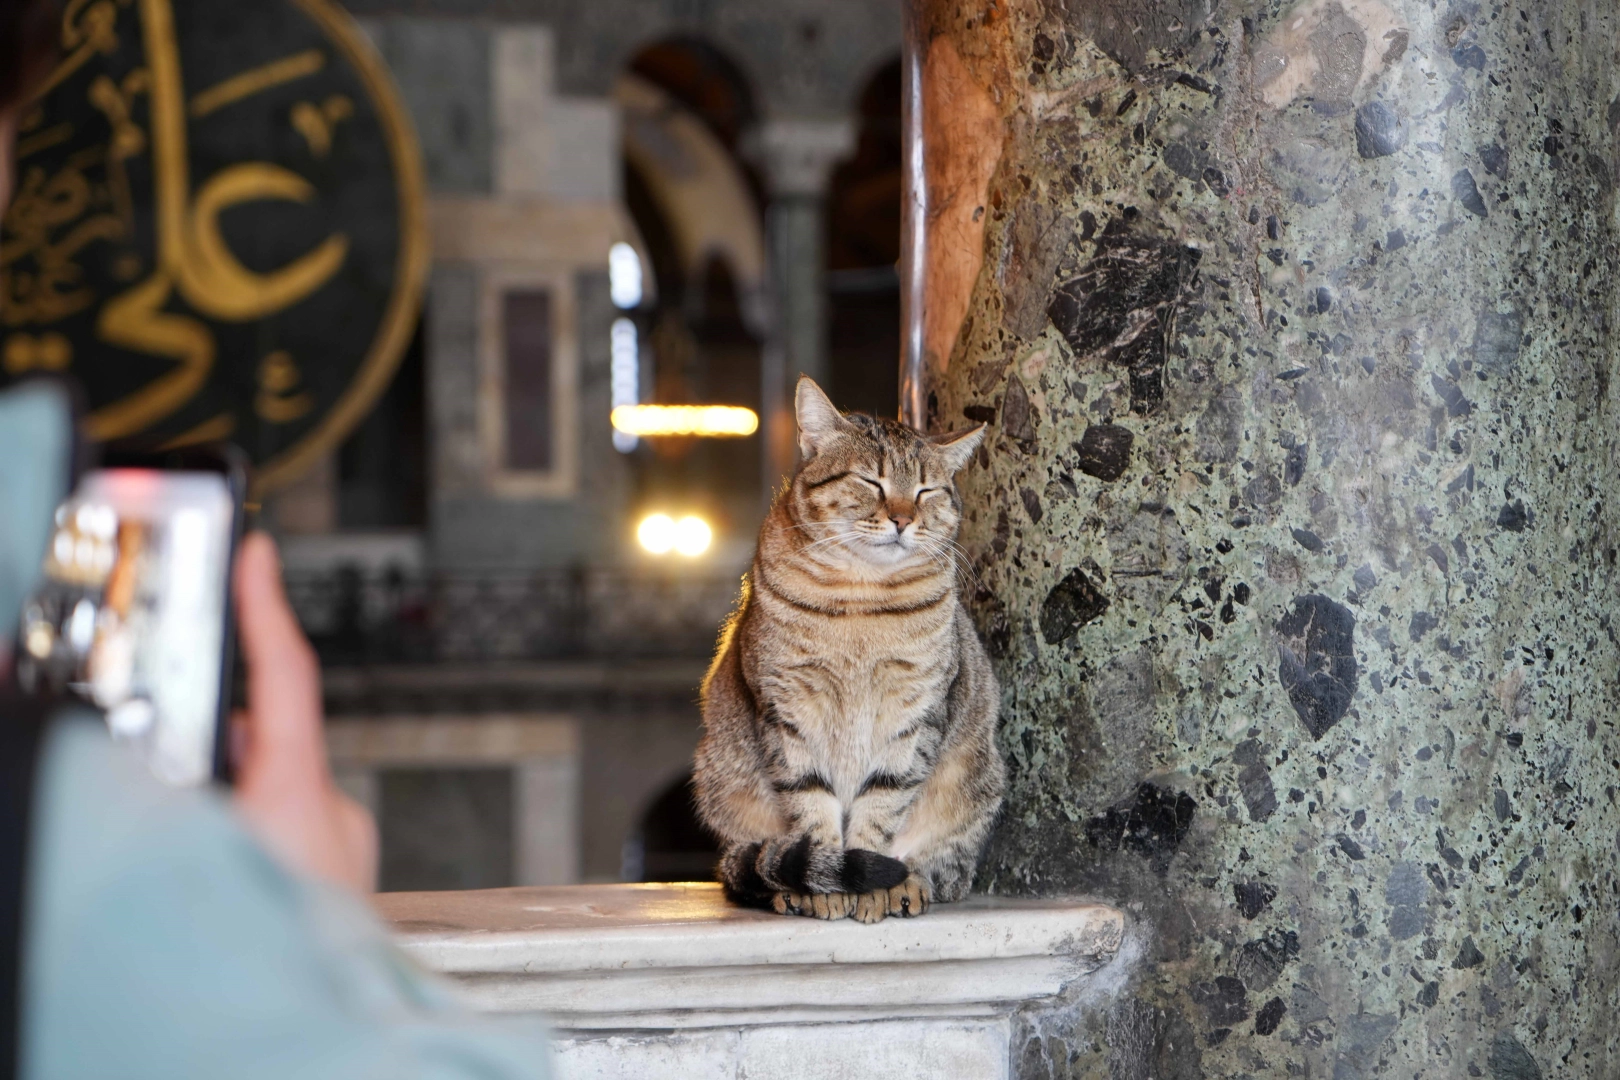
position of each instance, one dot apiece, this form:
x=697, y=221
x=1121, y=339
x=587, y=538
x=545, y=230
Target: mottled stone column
x=1296, y=530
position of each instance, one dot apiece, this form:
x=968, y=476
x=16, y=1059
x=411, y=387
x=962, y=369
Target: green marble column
x=1296, y=528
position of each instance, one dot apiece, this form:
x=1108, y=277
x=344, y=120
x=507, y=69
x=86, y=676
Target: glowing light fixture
x=707, y=421
x=624, y=285
x=657, y=534
x=692, y=536
x=660, y=534
x=624, y=376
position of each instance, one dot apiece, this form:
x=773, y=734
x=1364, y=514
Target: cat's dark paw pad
x=906, y=900
x=867, y=871
x=910, y=898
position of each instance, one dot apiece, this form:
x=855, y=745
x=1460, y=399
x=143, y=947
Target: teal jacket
x=163, y=942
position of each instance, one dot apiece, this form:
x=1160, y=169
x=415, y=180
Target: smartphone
x=135, y=614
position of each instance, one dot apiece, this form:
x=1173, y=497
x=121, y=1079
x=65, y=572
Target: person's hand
x=284, y=786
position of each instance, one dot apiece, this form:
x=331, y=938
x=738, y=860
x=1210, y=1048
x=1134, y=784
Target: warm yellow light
x=701, y=420
x=661, y=534
x=692, y=536
x=39, y=640
x=657, y=534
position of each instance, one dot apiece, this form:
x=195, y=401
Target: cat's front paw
x=814, y=905
x=910, y=898
x=906, y=900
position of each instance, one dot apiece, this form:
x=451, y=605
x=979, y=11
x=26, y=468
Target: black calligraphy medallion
x=218, y=226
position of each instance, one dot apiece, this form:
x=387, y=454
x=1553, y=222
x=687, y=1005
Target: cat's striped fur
x=848, y=760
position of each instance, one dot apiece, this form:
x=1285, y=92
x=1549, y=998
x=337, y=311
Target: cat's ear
x=818, y=418
x=956, y=447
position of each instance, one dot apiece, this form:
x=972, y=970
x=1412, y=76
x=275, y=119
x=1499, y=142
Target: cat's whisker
x=956, y=563
x=933, y=544
x=827, y=541
x=950, y=552
x=961, y=553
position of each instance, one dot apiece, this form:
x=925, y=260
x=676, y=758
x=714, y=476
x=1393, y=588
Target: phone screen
x=132, y=615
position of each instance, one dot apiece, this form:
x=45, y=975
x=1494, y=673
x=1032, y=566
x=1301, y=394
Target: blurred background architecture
x=670, y=202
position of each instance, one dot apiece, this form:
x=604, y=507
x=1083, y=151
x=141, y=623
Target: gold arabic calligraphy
x=192, y=255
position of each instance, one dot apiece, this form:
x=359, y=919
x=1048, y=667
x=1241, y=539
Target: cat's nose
x=900, y=522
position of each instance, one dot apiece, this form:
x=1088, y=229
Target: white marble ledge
x=628, y=957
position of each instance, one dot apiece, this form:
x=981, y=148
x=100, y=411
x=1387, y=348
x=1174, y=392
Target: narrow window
x=529, y=430
x=626, y=376
x=624, y=285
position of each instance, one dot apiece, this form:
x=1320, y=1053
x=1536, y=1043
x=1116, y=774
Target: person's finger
x=284, y=787
x=360, y=836
x=283, y=677
x=241, y=737
x=270, y=631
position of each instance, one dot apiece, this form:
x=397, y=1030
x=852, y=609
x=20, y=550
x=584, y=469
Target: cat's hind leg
x=948, y=823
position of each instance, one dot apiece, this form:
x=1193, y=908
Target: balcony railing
x=394, y=616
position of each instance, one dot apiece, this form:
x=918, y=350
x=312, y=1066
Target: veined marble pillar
x=1295, y=530
x=798, y=155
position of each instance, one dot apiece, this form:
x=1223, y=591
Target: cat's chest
x=868, y=673
x=883, y=670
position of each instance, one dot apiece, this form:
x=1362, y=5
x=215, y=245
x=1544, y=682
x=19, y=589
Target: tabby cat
x=848, y=761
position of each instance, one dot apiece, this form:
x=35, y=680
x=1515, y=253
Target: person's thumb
x=283, y=676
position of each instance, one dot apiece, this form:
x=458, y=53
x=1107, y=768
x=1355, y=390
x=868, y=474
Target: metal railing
x=365, y=617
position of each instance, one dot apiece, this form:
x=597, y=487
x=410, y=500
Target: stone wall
x=525, y=193
x=521, y=143
x=1296, y=528
x=802, y=57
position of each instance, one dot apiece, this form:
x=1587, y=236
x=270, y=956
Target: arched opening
x=863, y=248
x=705, y=81
x=696, y=206
x=669, y=843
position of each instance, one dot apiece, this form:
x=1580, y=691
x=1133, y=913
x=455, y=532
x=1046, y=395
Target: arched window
x=695, y=203
x=669, y=843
